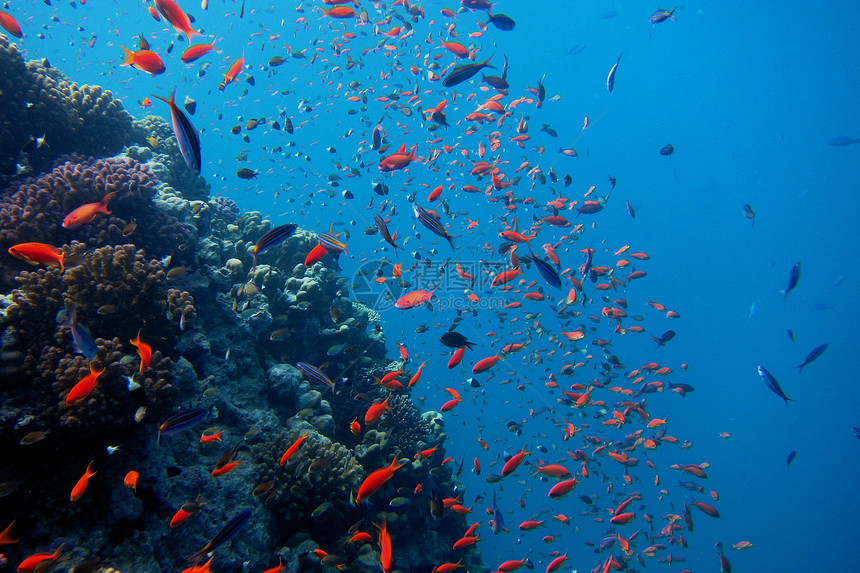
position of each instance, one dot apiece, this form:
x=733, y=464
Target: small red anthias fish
x=144, y=350
x=144, y=60
x=38, y=254
x=86, y=213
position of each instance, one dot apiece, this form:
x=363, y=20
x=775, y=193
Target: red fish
x=144, y=60
x=176, y=18
x=197, y=51
x=292, y=449
x=375, y=411
x=505, y=277
x=340, y=12
x=456, y=358
x=398, y=160
x=10, y=24
x=38, y=254
x=144, y=350
x=86, y=213
x=130, y=480
x=316, y=255
x=81, y=486
x=83, y=388
x=376, y=479
x=413, y=299
x=234, y=69
x=513, y=463
x=486, y=363
x=384, y=547
x=32, y=562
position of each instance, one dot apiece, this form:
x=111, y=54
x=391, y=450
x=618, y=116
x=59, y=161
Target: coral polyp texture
x=45, y=115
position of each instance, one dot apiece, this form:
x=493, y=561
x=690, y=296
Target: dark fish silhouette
x=382, y=227
x=815, y=353
x=749, y=213
x=224, y=534
x=791, y=455
x=546, y=270
x=502, y=22
x=464, y=72
x=455, y=340
x=667, y=336
x=667, y=149
x=610, y=79
x=793, y=279
x=842, y=141
x=772, y=383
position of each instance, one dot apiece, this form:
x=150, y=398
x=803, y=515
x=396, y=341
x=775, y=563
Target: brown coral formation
x=317, y=478
x=40, y=102
x=35, y=209
x=115, y=291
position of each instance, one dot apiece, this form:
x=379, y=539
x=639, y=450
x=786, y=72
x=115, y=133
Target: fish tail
x=128, y=58
x=60, y=260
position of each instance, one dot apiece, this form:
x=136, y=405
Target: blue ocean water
x=749, y=96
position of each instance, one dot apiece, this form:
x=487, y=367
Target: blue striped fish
x=331, y=243
x=224, y=534
x=186, y=136
x=272, y=238
x=314, y=374
x=432, y=222
x=180, y=422
x=546, y=270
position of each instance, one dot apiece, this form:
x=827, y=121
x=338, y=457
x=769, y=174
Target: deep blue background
x=748, y=93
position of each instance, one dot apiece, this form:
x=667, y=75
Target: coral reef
x=35, y=210
x=39, y=102
x=156, y=146
x=176, y=266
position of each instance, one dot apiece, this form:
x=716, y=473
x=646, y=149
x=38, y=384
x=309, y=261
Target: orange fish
x=234, y=69
x=505, y=277
x=205, y=568
x=86, y=213
x=293, y=448
x=513, y=463
x=81, y=486
x=464, y=542
x=130, y=480
x=32, y=562
x=225, y=469
x=144, y=60
x=355, y=427
x=197, y=51
x=375, y=411
x=176, y=18
x=209, y=438
x=144, y=350
x=10, y=24
x=316, y=254
x=280, y=567
x=384, y=547
x=83, y=388
x=38, y=254
x=417, y=376
x=340, y=12
x=6, y=535
x=145, y=102
x=486, y=363
x=376, y=479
